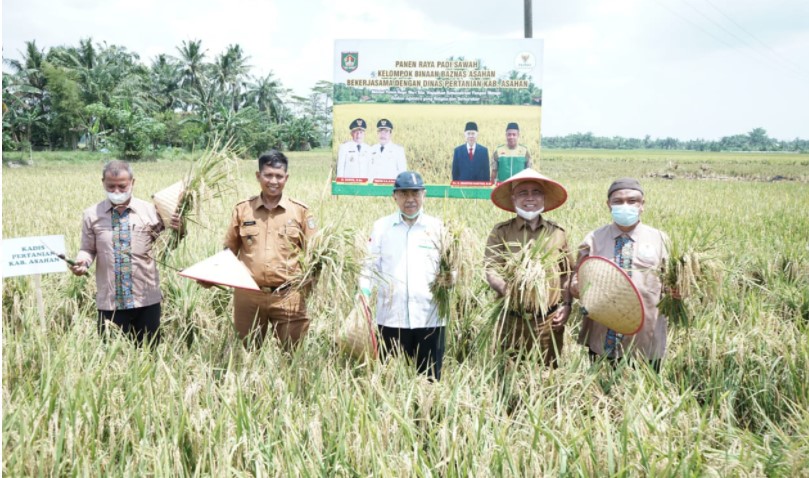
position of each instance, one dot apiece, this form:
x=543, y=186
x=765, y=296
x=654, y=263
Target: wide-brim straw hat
x=609, y=296
x=356, y=334
x=555, y=193
x=223, y=268
x=167, y=200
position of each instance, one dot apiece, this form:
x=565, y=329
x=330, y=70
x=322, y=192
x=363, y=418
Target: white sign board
x=25, y=256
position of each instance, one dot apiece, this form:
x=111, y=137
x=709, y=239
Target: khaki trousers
x=255, y=312
x=519, y=333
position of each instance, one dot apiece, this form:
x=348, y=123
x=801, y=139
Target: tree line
x=755, y=140
x=94, y=96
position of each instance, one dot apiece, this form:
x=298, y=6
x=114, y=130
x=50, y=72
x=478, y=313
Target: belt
x=273, y=290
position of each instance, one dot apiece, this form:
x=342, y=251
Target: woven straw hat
x=167, y=200
x=609, y=296
x=223, y=268
x=356, y=334
x=555, y=193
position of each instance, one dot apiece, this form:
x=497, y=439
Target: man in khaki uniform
x=529, y=193
x=267, y=233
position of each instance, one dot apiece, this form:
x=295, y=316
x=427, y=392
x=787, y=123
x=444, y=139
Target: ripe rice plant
x=530, y=273
x=208, y=177
x=455, y=266
x=332, y=260
x=732, y=398
x=693, y=271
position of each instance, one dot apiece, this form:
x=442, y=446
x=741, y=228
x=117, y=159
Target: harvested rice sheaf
x=454, y=267
x=209, y=177
x=332, y=258
x=529, y=273
x=693, y=271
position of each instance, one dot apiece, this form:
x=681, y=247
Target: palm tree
x=30, y=67
x=265, y=94
x=230, y=68
x=165, y=77
x=192, y=64
x=24, y=99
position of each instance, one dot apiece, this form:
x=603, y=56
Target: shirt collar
x=615, y=232
x=258, y=202
x=133, y=205
x=398, y=219
x=523, y=224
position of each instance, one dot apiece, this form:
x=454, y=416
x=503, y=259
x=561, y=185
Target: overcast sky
x=682, y=68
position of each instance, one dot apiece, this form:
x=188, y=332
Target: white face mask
x=528, y=215
x=119, y=198
x=413, y=216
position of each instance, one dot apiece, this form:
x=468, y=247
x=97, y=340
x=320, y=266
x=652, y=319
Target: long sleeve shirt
x=97, y=245
x=649, y=256
x=352, y=160
x=403, y=262
x=269, y=241
x=386, y=161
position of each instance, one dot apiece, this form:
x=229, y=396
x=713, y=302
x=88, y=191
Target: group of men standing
x=384, y=160
x=269, y=231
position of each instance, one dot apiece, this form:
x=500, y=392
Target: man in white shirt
x=403, y=262
x=387, y=158
x=352, y=157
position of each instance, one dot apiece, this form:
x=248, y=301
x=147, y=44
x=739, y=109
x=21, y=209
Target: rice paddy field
x=732, y=398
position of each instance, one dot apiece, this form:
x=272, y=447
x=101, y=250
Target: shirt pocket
x=143, y=237
x=290, y=237
x=647, y=276
x=249, y=236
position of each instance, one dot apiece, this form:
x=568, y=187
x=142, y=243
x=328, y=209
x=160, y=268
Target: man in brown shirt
x=529, y=193
x=641, y=251
x=119, y=233
x=268, y=232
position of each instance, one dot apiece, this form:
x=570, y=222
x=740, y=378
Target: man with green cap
x=403, y=262
x=510, y=158
x=530, y=194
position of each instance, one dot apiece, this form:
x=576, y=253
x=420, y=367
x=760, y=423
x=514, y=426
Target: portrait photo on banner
x=465, y=114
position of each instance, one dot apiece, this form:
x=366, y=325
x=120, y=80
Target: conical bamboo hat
x=555, y=193
x=223, y=268
x=355, y=335
x=609, y=296
x=167, y=200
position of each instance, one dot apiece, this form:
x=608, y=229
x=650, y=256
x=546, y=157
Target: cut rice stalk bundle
x=694, y=271
x=332, y=259
x=209, y=177
x=454, y=268
x=530, y=273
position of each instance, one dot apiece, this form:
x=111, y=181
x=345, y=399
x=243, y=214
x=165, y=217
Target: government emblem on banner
x=349, y=61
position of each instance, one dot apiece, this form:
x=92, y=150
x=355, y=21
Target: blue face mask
x=625, y=215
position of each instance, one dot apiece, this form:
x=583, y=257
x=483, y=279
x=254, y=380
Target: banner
x=463, y=114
